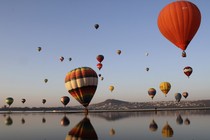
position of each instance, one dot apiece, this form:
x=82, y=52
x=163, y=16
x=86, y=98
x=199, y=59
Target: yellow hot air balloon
x=165, y=87
x=111, y=88
x=167, y=131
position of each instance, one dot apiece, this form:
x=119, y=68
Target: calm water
x=183, y=125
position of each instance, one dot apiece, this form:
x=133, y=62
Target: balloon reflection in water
x=187, y=121
x=65, y=121
x=112, y=132
x=43, y=120
x=23, y=121
x=153, y=126
x=167, y=131
x=179, y=120
x=82, y=131
x=8, y=121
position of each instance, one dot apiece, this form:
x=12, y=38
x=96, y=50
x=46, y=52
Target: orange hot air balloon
x=100, y=58
x=99, y=66
x=165, y=87
x=178, y=22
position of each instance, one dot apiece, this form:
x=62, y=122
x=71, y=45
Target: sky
x=66, y=28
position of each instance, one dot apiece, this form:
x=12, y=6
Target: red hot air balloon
x=99, y=66
x=65, y=100
x=178, y=22
x=100, y=58
x=61, y=58
x=82, y=83
x=185, y=94
x=188, y=71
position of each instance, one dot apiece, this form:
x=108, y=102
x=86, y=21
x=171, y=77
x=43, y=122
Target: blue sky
x=66, y=28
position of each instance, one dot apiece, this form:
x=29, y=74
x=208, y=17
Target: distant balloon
x=178, y=96
x=23, y=101
x=102, y=78
x=9, y=101
x=184, y=54
x=43, y=120
x=70, y=59
x=146, y=54
x=167, y=131
x=96, y=26
x=147, y=69
x=152, y=92
x=65, y=100
x=185, y=94
x=153, y=126
x=44, y=101
x=99, y=66
x=82, y=131
x=188, y=71
x=39, y=49
x=100, y=58
x=61, y=58
x=65, y=121
x=165, y=87
x=99, y=75
x=111, y=88
x=45, y=80
x=119, y=52
x=178, y=22
x=82, y=83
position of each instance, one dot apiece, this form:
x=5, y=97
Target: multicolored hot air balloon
x=65, y=100
x=23, y=101
x=185, y=94
x=152, y=92
x=82, y=131
x=96, y=26
x=165, y=87
x=100, y=58
x=178, y=96
x=119, y=52
x=178, y=22
x=82, y=83
x=61, y=58
x=9, y=101
x=188, y=71
x=99, y=66
x=111, y=88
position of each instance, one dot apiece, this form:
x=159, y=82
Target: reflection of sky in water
x=129, y=125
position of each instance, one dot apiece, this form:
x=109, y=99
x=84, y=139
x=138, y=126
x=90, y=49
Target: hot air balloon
x=102, y=78
x=147, y=69
x=188, y=71
x=185, y=94
x=23, y=101
x=146, y=54
x=167, y=131
x=61, y=58
x=165, y=87
x=96, y=26
x=179, y=22
x=65, y=121
x=39, y=49
x=9, y=101
x=70, y=59
x=119, y=52
x=153, y=126
x=44, y=101
x=65, y=100
x=178, y=96
x=100, y=58
x=152, y=92
x=99, y=75
x=82, y=83
x=82, y=131
x=45, y=80
x=99, y=66
x=111, y=88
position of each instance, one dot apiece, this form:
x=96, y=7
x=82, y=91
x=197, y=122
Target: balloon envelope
x=152, y=92
x=179, y=22
x=23, y=101
x=44, y=101
x=188, y=71
x=165, y=87
x=61, y=58
x=178, y=96
x=96, y=26
x=9, y=100
x=82, y=83
x=100, y=58
x=45, y=80
x=39, y=49
x=65, y=100
x=111, y=88
x=99, y=66
x=185, y=94
x=119, y=52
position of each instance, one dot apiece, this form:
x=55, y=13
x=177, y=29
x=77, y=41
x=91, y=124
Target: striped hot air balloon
x=151, y=92
x=82, y=83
